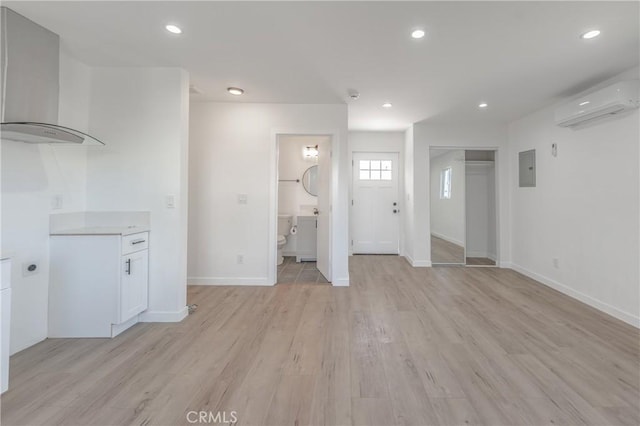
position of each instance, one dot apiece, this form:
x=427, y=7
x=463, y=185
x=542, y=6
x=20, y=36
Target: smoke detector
x=354, y=95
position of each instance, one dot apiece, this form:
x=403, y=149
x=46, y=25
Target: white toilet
x=284, y=225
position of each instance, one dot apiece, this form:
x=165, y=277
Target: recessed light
x=235, y=91
x=590, y=34
x=173, y=29
x=483, y=105
x=387, y=105
x=417, y=34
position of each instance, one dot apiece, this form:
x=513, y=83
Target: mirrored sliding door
x=448, y=224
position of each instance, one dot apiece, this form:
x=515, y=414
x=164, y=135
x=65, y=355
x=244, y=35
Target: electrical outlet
x=170, y=201
x=556, y=262
x=240, y=259
x=30, y=268
x=57, y=201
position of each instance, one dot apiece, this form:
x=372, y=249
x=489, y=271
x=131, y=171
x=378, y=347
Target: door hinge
x=351, y=163
x=351, y=202
x=352, y=242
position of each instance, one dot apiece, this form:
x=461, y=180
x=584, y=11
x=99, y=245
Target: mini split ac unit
x=613, y=99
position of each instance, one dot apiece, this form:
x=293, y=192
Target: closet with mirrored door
x=463, y=207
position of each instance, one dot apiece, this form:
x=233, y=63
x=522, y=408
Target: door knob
x=395, y=211
x=395, y=204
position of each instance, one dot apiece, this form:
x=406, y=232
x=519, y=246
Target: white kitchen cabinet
x=306, y=238
x=134, y=284
x=99, y=281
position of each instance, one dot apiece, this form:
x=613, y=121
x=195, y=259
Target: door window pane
x=375, y=169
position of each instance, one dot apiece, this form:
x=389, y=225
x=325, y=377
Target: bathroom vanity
x=307, y=238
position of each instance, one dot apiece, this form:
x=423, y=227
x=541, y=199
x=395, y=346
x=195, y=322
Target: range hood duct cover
x=30, y=71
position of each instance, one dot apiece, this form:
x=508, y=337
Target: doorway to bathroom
x=303, y=213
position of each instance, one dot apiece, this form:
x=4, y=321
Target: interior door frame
x=272, y=248
x=400, y=182
x=497, y=188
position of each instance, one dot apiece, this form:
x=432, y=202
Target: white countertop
x=102, y=230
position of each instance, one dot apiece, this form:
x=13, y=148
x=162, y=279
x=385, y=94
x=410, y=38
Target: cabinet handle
x=137, y=242
x=128, y=270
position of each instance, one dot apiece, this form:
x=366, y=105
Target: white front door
x=323, y=255
x=375, y=210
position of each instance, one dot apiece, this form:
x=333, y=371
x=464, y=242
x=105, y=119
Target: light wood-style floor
x=480, y=261
x=401, y=346
x=443, y=251
x=292, y=272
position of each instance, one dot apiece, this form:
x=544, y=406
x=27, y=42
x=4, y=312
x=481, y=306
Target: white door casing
x=375, y=209
x=323, y=262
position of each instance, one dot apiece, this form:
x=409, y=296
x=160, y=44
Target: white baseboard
x=449, y=239
x=340, y=282
x=164, y=316
x=28, y=344
x=594, y=303
x=117, y=329
x=228, y=281
x=418, y=263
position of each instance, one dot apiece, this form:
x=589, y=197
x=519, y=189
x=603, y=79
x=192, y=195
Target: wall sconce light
x=310, y=151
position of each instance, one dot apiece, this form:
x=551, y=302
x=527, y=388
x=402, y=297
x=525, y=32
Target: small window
x=445, y=184
x=375, y=170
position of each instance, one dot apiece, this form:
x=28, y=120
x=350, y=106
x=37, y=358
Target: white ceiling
x=517, y=56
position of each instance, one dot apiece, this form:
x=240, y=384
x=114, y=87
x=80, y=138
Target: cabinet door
x=306, y=238
x=134, y=287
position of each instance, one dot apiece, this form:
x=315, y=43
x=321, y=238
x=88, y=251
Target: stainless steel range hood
x=30, y=84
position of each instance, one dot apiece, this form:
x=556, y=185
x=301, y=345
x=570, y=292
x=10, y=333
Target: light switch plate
x=242, y=198
x=170, y=201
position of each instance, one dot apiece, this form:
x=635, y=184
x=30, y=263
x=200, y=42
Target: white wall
x=584, y=210
x=408, y=192
x=231, y=147
x=448, y=214
x=361, y=141
x=31, y=176
x=142, y=115
x=416, y=226
x=459, y=135
x=480, y=209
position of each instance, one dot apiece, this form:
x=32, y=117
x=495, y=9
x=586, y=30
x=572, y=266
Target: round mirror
x=310, y=180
